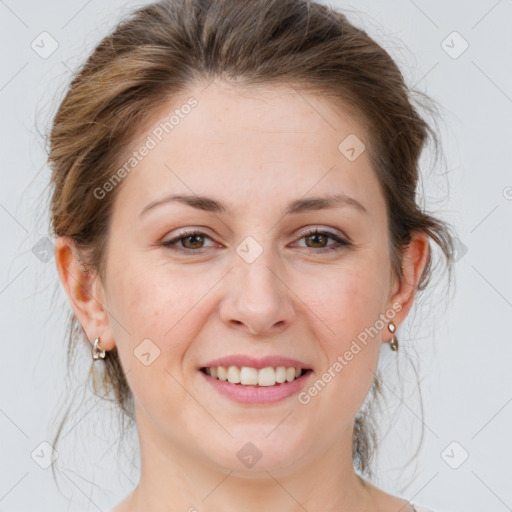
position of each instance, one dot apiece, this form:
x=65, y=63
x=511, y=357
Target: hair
x=162, y=49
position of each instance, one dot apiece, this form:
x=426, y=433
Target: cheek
x=155, y=321
x=168, y=307
x=349, y=304
x=156, y=306
x=348, y=301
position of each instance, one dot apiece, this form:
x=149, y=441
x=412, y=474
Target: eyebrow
x=209, y=204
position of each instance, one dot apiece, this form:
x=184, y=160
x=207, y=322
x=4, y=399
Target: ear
x=85, y=292
x=403, y=292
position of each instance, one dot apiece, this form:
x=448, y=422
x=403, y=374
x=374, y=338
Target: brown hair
x=162, y=49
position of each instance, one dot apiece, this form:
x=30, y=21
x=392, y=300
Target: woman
x=238, y=235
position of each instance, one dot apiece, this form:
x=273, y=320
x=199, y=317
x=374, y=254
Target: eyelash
x=341, y=243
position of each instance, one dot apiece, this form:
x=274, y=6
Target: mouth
x=246, y=376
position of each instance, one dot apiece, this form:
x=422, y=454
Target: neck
x=173, y=480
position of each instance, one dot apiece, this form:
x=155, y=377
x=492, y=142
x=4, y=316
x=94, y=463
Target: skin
x=256, y=150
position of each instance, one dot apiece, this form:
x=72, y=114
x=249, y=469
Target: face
x=191, y=282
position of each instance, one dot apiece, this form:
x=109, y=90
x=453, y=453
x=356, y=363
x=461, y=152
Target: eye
x=319, y=237
x=191, y=241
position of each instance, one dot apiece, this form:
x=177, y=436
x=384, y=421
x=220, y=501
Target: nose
x=258, y=299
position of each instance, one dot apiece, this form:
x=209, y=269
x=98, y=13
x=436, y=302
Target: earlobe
x=84, y=291
x=413, y=265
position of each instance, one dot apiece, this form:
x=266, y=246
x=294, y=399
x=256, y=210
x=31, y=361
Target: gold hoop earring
x=393, y=344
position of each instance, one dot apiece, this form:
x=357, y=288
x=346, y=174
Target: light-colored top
x=417, y=508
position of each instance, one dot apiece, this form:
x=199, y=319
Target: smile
x=247, y=376
x=254, y=386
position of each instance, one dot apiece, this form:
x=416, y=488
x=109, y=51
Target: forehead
x=258, y=116
x=243, y=144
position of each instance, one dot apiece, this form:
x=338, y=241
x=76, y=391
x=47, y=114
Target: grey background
x=462, y=344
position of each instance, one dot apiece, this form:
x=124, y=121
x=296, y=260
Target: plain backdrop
x=459, y=53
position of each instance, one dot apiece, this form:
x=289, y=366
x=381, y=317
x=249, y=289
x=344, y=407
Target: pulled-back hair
x=164, y=48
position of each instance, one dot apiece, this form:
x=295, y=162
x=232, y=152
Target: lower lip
x=258, y=394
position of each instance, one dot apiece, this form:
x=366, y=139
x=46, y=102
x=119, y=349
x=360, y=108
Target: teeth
x=222, y=373
x=233, y=375
x=280, y=374
x=267, y=376
x=247, y=376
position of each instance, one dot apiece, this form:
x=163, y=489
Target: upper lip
x=253, y=362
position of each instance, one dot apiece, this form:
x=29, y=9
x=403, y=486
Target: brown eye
x=193, y=240
x=317, y=240
x=190, y=242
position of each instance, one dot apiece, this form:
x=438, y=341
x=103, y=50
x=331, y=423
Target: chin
x=253, y=452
